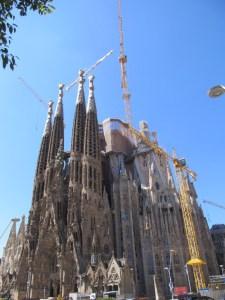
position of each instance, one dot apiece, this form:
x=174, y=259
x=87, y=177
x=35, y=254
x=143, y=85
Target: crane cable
x=4, y=231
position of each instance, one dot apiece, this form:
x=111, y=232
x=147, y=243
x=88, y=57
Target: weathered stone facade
x=105, y=215
x=218, y=236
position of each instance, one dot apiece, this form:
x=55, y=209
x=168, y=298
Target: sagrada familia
x=105, y=215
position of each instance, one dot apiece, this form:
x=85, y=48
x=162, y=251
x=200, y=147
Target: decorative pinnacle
x=80, y=86
x=50, y=105
x=91, y=101
x=60, y=97
x=49, y=117
x=81, y=76
x=91, y=82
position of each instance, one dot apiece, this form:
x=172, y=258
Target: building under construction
x=106, y=214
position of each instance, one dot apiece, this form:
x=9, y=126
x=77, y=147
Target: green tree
x=8, y=10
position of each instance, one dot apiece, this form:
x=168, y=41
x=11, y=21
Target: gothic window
x=89, y=242
x=59, y=208
x=92, y=222
x=165, y=198
x=176, y=259
x=42, y=189
x=72, y=216
x=76, y=171
x=80, y=169
x=144, y=162
x=157, y=260
x=167, y=260
x=106, y=249
x=157, y=186
x=90, y=177
x=51, y=175
x=53, y=264
x=98, y=183
x=94, y=179
x=38, y=192
x=71, y=246
x=85, y=175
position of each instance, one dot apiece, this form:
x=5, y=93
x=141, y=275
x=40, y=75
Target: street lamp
x=222, y=269
x=216, y=91
x=169, y=269
x=170, y=281
x=188, y=278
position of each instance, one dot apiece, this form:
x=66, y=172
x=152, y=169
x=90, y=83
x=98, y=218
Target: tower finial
x=59, y=107
x=49, y=118
x=91, y=101
x=80, y=95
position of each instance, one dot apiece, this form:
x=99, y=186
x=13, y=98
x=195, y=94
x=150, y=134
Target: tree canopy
x=8, y=10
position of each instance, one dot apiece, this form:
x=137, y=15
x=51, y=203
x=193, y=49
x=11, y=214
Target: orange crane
x=123, y=66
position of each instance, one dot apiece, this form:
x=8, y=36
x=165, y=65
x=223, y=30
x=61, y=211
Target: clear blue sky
x=176, y=51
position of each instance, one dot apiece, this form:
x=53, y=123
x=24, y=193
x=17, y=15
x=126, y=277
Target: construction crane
x=35, y=94
x=184, y=191
x=157, y=149
x=182, y=173
x=14, y=221
x=87, y=71
x=123, y=66
x=214, y=204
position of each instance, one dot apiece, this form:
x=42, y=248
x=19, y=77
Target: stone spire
x=58, y=127
x=48, y=124
x=91, y=99
x=59, y=107
x=43, y=153
x=91, y=138
x=77, y=144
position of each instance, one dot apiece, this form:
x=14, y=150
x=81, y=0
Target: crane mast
x=123, y=67
x=196, y=262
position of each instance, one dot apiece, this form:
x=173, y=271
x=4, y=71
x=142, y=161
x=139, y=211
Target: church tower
x=77, y=150
x=58, y=127
x=39, y=182
x=93, y=206
x=52, y=214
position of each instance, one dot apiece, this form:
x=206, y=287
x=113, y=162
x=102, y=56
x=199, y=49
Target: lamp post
x=188, y=278
x=216, y=91
x=169, y=270
x=170, y=281
x=222, y=270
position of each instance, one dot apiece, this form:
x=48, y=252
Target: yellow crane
x=184, y=190
x=182, y=173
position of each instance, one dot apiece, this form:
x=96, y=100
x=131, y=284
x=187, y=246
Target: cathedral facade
x=105, y=215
